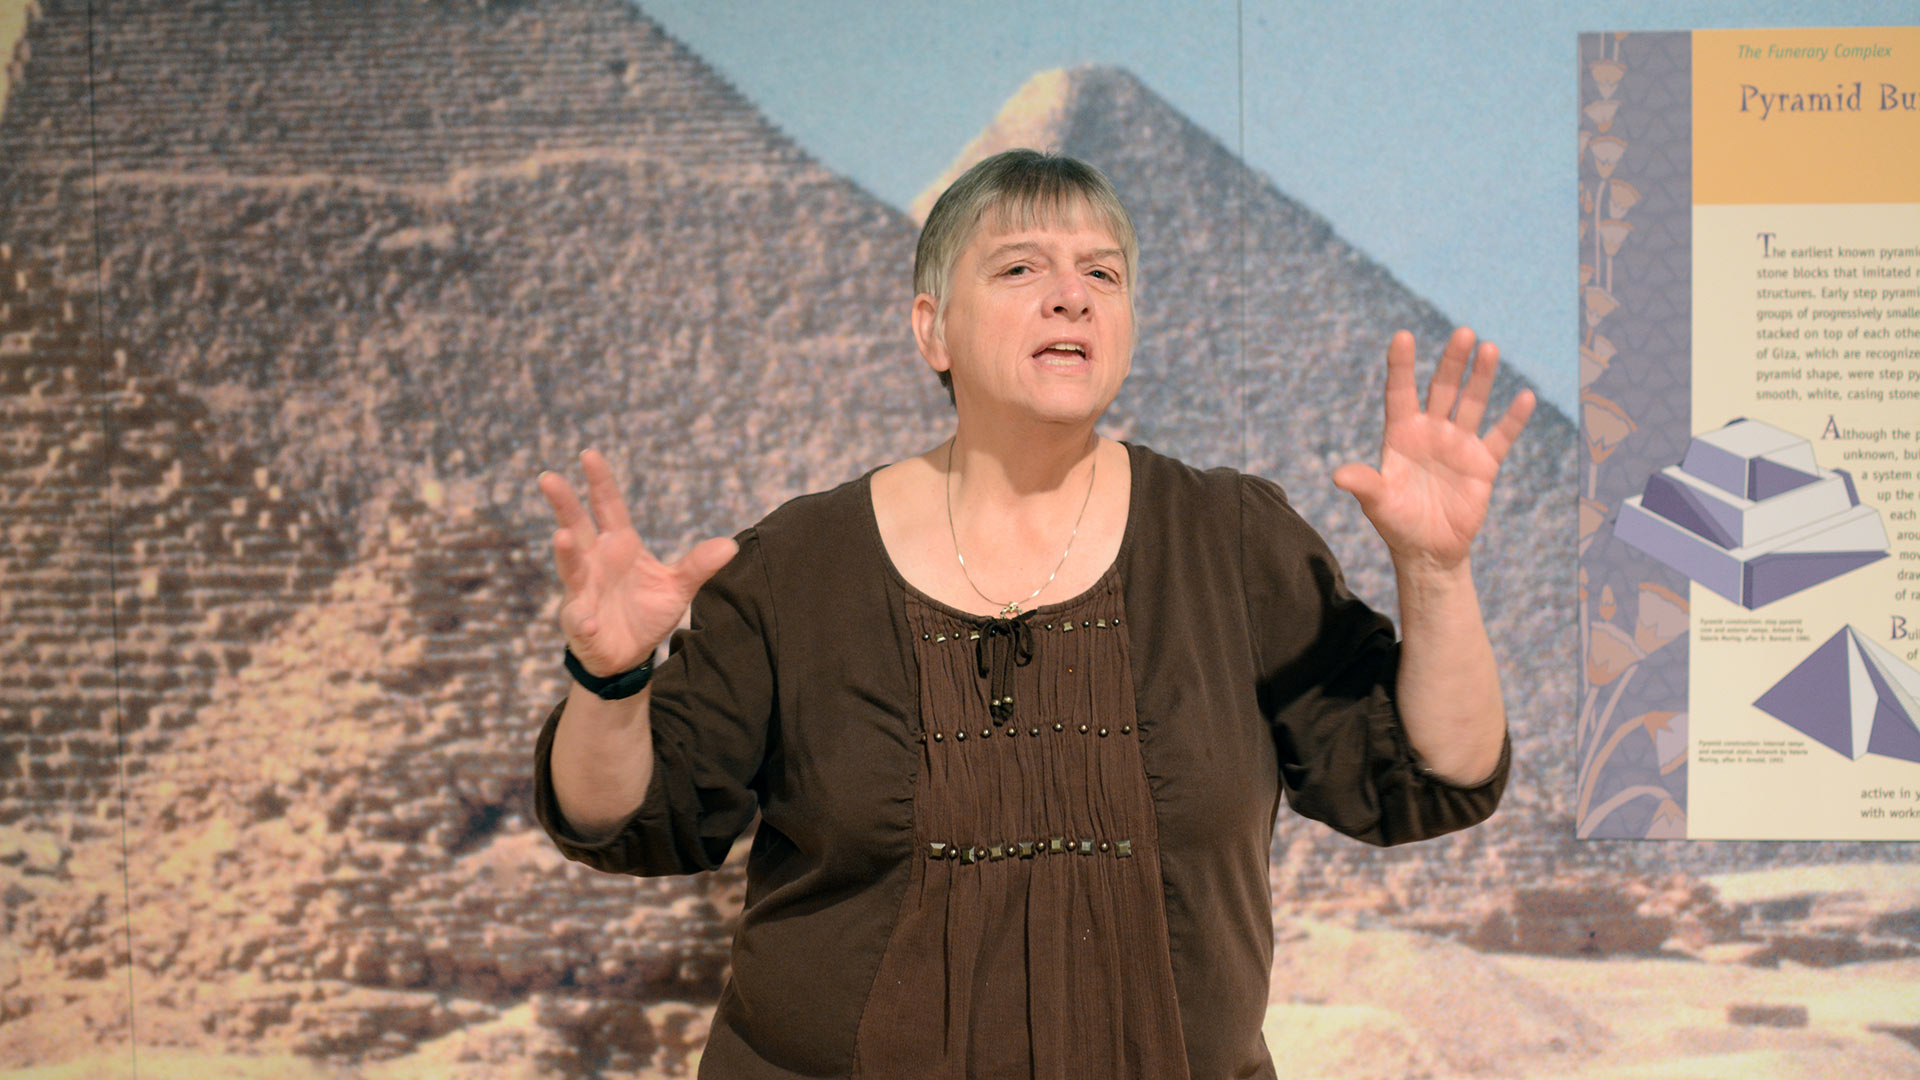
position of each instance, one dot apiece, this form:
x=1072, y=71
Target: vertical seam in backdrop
x=113, y=539
x=1240, y=203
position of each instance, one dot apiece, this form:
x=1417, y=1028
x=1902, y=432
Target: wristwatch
x=624, y=685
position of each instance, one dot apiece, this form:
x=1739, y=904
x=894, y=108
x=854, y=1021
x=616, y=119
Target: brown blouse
x=1032, y=941
x=796, y=699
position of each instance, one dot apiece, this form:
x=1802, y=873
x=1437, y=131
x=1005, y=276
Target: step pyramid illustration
x=1852, y=695
x=1748, y=514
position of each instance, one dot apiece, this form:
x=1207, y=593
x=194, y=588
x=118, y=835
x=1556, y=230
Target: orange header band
x=1806, y=116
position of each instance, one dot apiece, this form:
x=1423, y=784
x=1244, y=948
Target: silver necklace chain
x=1011, y=609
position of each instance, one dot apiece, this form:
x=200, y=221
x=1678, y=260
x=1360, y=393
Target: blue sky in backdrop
x=1438, y=138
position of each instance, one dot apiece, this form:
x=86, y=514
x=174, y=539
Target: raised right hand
x=621, y=602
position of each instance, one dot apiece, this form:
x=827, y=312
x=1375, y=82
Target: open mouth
x=1062, y=353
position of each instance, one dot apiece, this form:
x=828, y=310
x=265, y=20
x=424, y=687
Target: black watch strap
x=624, y=685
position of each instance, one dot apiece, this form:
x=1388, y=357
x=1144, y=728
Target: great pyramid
x=570, y=233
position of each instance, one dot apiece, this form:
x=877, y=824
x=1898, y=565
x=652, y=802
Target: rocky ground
x=1802, y=973
x=1784, y=974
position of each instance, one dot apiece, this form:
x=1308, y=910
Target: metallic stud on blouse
x=1126, y=729
x=1027, y=849
x=1116, y=620
x=1049, y=626
x=986, y=733
x=1083, y=729
x=938, y=638
x=1066, y=627
x=1103, y=733
x=937, y=736
x=1035, y=732
x=926, y=637
x=973, y=635
x=1101, y=623
x=1084, y=624
x=1059, y=726
x=960, y=736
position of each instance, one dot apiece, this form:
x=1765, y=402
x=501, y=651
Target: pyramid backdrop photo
x=296, y=301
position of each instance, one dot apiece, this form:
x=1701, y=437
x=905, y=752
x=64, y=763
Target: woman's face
x=1038, y=322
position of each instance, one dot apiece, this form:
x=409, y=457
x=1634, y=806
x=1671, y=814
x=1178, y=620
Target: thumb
x=1363, y=482
x=705, y=560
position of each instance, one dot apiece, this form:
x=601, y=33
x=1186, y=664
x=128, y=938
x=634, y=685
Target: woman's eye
x=1015, y=271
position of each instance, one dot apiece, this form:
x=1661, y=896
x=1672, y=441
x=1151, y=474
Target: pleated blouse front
x=1032, y=940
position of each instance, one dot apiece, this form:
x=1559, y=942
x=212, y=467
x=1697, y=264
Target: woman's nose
x=1070, y=297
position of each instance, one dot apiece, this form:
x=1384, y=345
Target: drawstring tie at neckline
x=1003, y=644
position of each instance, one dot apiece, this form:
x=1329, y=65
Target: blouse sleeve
x=1326, y=664
x=712, y=710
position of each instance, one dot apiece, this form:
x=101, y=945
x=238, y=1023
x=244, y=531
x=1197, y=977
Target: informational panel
x=1751, y=518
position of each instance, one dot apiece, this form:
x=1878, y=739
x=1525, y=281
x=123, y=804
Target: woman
x=1016, y=714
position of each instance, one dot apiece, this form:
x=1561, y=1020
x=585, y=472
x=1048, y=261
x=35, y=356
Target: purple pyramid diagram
x=1853, y=696
x=1748, y=514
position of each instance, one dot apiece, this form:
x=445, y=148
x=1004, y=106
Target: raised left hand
x=1429, y=496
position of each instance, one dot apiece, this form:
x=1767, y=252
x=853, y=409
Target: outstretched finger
x=704, y=561
x=1445, y=387
x=1473, y=400
x=608, y=507
x=1363, y=482
x=567, y=511
x=1403, y=392
x=570, y=558
x=1501, y=438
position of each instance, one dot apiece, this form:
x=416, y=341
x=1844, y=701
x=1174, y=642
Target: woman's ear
x=927, y=333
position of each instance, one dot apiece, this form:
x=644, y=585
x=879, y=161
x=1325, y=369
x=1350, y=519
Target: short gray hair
x=1014, y=189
